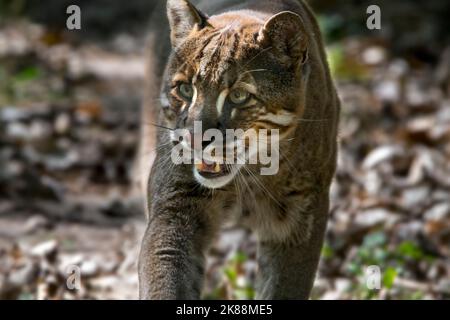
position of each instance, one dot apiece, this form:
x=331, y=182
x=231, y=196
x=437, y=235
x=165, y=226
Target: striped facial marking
x=281, y=118
x=221, y=101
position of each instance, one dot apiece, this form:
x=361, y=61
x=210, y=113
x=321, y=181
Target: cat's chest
x=272, y=216
x=245, y=209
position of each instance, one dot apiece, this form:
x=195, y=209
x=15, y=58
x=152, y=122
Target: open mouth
x=211, y=170
x=214, y=175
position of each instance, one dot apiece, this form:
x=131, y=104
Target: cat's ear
x=285, y=32
x=183, y=18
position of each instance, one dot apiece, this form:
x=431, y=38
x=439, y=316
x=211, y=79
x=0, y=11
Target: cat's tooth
x=217, y=168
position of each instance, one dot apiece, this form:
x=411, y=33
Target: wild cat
x=249, y=65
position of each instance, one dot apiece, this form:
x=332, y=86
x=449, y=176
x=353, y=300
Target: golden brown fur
x=273, y=50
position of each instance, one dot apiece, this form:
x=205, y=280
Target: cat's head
x=236, y=70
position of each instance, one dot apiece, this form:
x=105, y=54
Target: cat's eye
x=239, y=96
x=186, y=91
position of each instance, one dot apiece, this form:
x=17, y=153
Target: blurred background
x=69, y=126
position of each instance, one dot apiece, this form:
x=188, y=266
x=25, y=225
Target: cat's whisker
x=236, y=185
x=251, y=71
x=259, y=184
x=287, y=140
x=312, y=120
x=157, y=126
x=262, y=187
x=286, y=158
x=257, y=55
x=153, y=150
x=167, y=160
x=241, y=177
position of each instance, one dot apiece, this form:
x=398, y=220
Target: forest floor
x=69, y=127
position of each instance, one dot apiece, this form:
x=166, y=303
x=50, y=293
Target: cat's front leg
x=171, y=263
x=287, y=268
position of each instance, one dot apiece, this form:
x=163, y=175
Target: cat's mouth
x=211, y=170
x=214, y=175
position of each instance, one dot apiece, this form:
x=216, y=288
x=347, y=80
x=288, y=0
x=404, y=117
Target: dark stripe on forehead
x=200, y=52
x=219, y=54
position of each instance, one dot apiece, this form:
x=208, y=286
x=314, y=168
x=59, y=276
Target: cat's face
x=233, y=71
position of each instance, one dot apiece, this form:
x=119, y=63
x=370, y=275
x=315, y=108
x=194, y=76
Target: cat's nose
x=207, y=143
x=190, y=138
